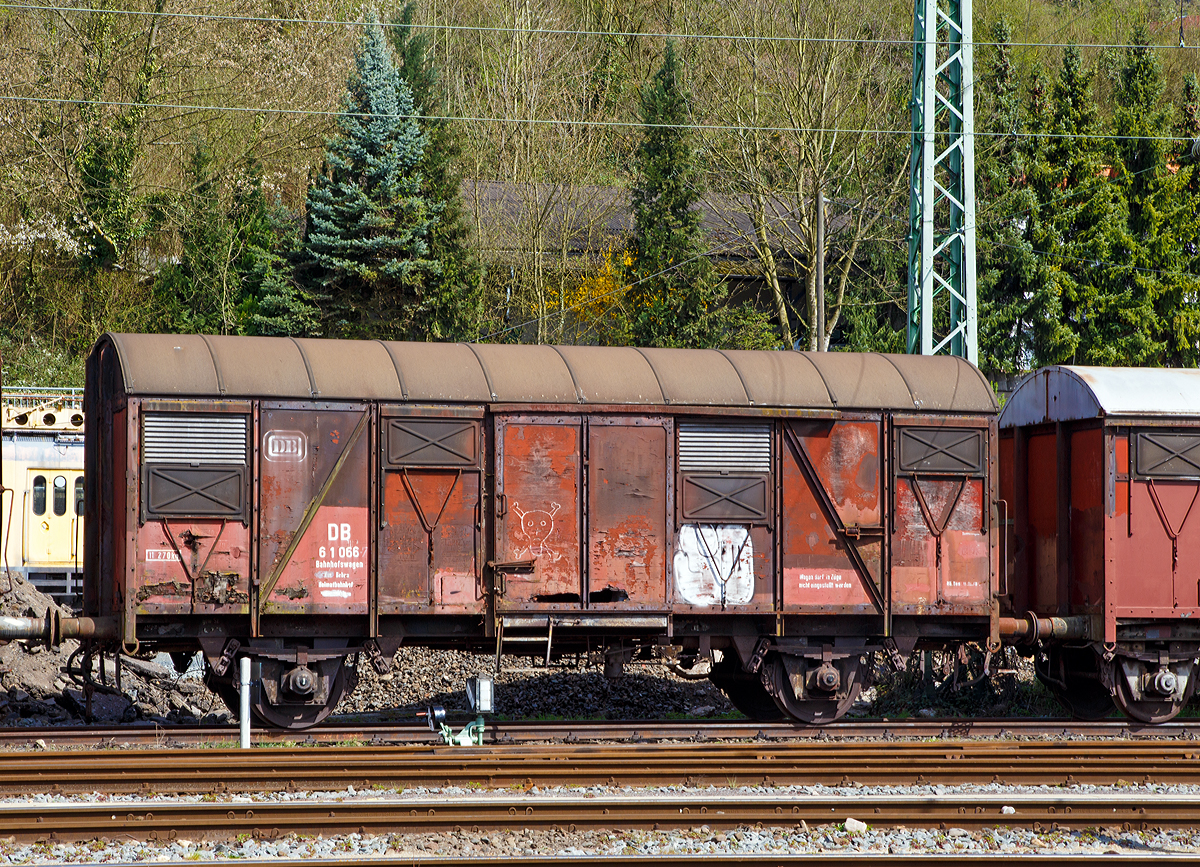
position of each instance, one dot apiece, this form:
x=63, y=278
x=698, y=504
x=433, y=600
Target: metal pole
x=819, y=266
x=244, y=709
x=941, y=254
x=970, y=299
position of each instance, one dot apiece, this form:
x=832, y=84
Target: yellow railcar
x=41, y=509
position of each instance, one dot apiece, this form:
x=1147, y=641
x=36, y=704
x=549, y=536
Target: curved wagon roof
x=1071, y=393
x=178, y=366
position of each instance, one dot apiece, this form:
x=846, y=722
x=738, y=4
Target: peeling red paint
x=332, y=560
x=539, y=482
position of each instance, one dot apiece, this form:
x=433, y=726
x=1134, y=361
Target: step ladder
x=538, y=629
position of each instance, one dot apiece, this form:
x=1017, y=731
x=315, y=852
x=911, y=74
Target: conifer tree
x=1073, y=267
x=1084, y=218
x=274, y=303
x=1162, y=215
x=675, y=295
x=1006, y=260
x=449, y=308
x=366, y=250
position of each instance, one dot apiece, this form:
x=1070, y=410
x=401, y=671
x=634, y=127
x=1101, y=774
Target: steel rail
x=753, y=860
x=538, y=731
x=524, y=766
x=761, y=860
x=168, y=820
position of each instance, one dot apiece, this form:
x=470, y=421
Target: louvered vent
x=194, y=439
x=724, y=448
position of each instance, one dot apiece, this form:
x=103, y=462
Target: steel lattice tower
x=941, y=214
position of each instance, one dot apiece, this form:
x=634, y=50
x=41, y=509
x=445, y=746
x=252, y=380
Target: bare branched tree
x=810, y=111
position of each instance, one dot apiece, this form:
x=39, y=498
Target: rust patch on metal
x=148, y=591
x=627, y=532
x=220, y=588
x=817, y=569
x=297, y=592
x=540, y=499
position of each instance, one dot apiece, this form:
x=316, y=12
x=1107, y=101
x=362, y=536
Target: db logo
x=288, y=446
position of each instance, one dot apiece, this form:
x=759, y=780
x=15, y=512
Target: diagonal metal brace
x=831, y=515
x=310, y=513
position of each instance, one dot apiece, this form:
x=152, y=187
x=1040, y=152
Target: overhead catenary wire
x=542, y=31
x=582, y=121
x=543, y=121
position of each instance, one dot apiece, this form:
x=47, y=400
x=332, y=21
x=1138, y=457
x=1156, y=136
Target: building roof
x=179, y=366
x=1069, y=393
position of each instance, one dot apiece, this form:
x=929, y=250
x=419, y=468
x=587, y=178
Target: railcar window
x=39, y=495
x=60, y=495
x=79, y=495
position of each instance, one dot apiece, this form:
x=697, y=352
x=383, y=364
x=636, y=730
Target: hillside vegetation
x=474, y=171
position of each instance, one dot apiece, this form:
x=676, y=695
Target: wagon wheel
x=1074, y=678
x=745, y=691
x=812, y=710
x=302, y=716
x=1147, y=710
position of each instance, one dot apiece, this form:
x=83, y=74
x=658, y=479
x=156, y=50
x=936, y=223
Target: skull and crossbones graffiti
x=536, y=527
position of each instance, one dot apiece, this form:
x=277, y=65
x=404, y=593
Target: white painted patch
x=334, y=589
x=708, y=556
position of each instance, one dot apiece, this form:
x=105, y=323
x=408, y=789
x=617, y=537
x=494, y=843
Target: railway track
x=569, y=731
x=203, y=771
x=167, y=820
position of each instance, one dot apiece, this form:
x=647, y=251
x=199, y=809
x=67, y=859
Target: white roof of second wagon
x=193, y=365
x=1070, y=393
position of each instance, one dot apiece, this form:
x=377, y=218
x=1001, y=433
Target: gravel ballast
x=846, y=834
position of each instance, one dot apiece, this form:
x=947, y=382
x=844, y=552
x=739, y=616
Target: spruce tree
x=676, y=295
x=366, y=250
x=1085, y=217
x=449, y=308
x=1162, y=213
x=1005, y=258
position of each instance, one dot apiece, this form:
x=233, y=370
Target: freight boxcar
x=305, y=502
x=1101, y=470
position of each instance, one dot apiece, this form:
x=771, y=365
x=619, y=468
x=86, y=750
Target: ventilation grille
x=194, y=439
x=725, y=448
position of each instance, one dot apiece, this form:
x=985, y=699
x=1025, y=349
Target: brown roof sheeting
x=193, y=365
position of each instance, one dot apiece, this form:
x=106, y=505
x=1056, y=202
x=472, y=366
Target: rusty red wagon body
x=1100, y=468
x=305, y=501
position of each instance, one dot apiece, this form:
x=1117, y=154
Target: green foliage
x=366, y=256
x=233, y=275
x=201, y=293
x=273, y=302
x=1085, y=233
x=450, y=307
x=110, y=145
x=34, y=362
x=676, y=297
